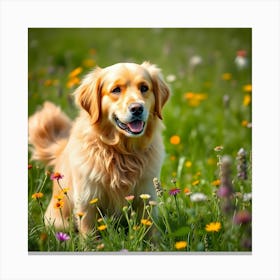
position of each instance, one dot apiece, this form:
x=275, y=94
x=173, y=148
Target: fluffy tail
x=48, y=131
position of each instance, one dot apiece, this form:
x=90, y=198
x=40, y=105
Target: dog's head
x=127, y=95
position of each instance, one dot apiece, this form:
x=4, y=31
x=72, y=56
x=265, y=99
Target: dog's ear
x=88, y=94
x=160, y=88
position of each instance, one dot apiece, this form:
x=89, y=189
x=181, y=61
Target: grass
x=210, y=107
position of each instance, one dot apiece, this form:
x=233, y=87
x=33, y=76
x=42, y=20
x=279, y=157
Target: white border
x=17, y=16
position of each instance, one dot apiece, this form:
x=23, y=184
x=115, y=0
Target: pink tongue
x=136, y=126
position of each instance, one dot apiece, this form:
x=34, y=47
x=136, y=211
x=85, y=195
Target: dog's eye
x=116, y=90
x=144, y=88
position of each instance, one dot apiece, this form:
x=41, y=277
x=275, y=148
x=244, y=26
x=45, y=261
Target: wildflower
x=146, y=222
x=194, y=99
x=152, y=203
x=187, y=191
x=174, y=191
x=30, y=166
x=181, y=245
x=188, y=164
x=65, y=191
x=227, y=76
x=100, y=220
x=195, y=60
x=216, y=183
x=247, y=100
x=241, y=164
x=196, y=182
x=218, y=148
x=247, y=197
x=242, y=217
x=62, y=237
x=73, y=82
x=129, y=198
x=59, y=204
x=241, y=60
x=37, y=195
x=213, y=227
x=102, y=227
x=59, y=197
x=56, y=176
x=171, y=78
x=175, y=140
x=157, y=186
x=145, y=196
x=136, y=228
x=93, y=201
x=75, y=72
x=196, y=197
x=80, y=214
x=247, y=88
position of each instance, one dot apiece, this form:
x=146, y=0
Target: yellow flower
x=196, y=182
x=214, y=226
x=73, y=82
x=188, y=164
x=59, y=197
x=227, y=76
x=145, y=196
x=93, y=201
x=216, y=183
x=247, y=88
x=175, y=140
x=37, y=195
x=75, y=72
x=65, y=191
x=102, y=227
x=80, y=214
x=181, y=245
x=247, y=100
x=146, y=222
x=59, y=204
x=194, y=99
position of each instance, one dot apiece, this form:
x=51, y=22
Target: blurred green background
x=208, y=106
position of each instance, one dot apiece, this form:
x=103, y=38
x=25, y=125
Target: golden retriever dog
x=113, y=149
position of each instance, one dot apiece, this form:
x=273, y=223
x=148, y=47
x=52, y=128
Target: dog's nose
x=136, y=109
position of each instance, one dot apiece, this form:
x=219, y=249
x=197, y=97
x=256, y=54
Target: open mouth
x=134, y=127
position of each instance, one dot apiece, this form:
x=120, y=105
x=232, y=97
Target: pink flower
x=174, y=191
x=62, y=237
x=56, y=176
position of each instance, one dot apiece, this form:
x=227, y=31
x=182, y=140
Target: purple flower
x=174, y=191
x=61, y=236
x=242, y=217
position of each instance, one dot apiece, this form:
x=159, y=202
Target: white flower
x=195, y=60
x=171, y=78
x=241, y=62
x=247, y=196
x=196, y=197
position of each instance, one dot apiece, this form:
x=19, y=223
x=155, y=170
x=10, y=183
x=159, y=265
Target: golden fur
x=107, y=152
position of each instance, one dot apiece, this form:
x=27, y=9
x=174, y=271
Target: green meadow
x=204, y=200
